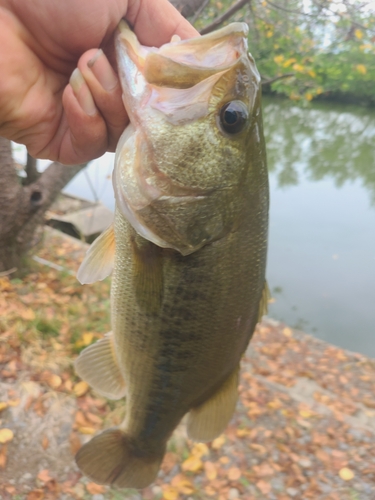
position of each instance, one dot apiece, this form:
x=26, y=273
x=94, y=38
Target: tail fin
x=110, y=458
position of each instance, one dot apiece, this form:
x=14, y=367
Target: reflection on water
x=326, y=142
x=321, y=266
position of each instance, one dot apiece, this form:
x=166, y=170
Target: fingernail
x=103, y=71
x=82, y=93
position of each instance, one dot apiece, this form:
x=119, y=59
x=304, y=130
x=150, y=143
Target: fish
x=187, y=249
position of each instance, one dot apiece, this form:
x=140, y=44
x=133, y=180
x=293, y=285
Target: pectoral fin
x=263, y=304
x=98, y=263
x=209, y=420
x=98, y=366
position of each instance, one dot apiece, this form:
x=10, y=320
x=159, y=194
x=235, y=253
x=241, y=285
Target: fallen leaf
x=346, y=474
x=95, y=489
x=210, y=471
x=14, y=402
x=3, y=405
x=45, y=442
x=27, y=314
x=192, y=464
x=264, y=487
x=54, y=381
x=44, y=476
x=170, y=493
x=3, y=457
x=200, y=449
x=287, y=332
x=218, y=442
x=86, y=430
x=182, y=484
x=75, y=443
x=35, y=495
x=80, y=388
x=234, y=473
x=6, y=435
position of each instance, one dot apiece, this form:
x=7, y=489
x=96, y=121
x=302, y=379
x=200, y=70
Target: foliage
x=327, y=45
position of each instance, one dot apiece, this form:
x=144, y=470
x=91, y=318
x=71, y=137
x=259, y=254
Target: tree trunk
x=22, y=208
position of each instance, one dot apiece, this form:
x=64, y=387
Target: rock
x=292, y=492
x=233, y=494
x=305, y=462
x=26, y=477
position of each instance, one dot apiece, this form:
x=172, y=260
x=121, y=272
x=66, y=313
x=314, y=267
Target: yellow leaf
x=278, y=59
x=312, y=73
x=287, y=332
x=14, y=402
x=28, y=314
x=218, y=442
x=242, y=432
x=361, y=68
x=289, y=62
x=275, y=405
x=170, y=493
x=54, y=381
x=3, y=406
x=6, y=435
x=269, y=33
x=86, y=430
x=358, y=33
x=298, y=67
x=346, y=474
x=192, y=464
x=80, y=388
x=306, y=413
x=200, y=449
x=319, y=90
x=184, y=486
x=309, y=96
x=87, y=338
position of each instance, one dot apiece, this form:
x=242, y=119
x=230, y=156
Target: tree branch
x=223, y=17
x=199, y=11
x=31, y=171
x=280, y=77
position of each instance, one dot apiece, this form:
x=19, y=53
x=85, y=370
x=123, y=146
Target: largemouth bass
x=187, y=250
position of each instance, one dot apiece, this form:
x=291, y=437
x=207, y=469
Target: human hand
x=41, y=42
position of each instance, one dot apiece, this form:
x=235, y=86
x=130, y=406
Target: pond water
x=321, y=261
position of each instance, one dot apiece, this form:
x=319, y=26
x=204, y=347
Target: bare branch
x=31, y=171
x=280, y=77
x=199, y=11
x=223, y=17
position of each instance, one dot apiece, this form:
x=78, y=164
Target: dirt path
x=304, y=426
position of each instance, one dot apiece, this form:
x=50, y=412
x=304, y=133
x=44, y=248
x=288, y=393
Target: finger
x=155, y=22
x=84, y=133
x=105, y=89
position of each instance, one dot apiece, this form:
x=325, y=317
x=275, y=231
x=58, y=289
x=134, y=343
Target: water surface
x=321, y=261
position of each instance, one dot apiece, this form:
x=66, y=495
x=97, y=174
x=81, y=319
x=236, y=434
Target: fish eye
x=233, y=117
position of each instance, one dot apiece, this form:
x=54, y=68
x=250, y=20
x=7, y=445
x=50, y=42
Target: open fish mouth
x=173, y=96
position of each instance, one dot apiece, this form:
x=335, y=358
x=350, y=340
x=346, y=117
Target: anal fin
x=98, y=366
x=209, y=420
x=98, y=262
